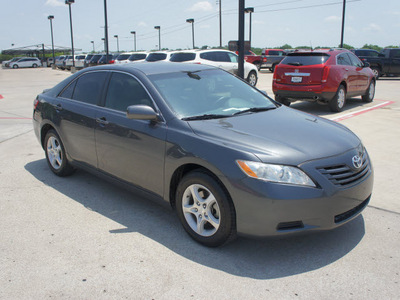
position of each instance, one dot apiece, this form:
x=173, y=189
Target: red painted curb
x=362, y=111
x=1, y=97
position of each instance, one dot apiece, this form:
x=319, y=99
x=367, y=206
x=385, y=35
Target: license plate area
x=297, y=79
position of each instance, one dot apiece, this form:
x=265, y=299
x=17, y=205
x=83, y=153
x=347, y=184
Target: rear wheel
x=205, y=210
x=34, y=66
x=252, y=78
x=282, y=100
x=369, y=96
x=338, y=101
x=15, y=66
x=55, y=155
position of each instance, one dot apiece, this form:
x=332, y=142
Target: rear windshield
x=134, y=57
x=123, y=56
x=305, y=59
x=81, y=57
x=156, y=56
x=179, y=57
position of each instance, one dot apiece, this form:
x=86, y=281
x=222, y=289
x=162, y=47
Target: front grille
x=343, y=175
x=348, y=214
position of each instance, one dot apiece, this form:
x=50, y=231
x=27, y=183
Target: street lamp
x=104, y=40
x=343, y=17
x=249, y=10
x=93, y=45
x=69, y=2
x=159, y=36
x=52, y=40
x=134, y=38
x=192, y=22
x=116, y=36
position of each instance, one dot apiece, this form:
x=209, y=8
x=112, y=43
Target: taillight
x=325, y=74
x=264, y=59
x=275, y=77
x=112, y=61
x=35, y=103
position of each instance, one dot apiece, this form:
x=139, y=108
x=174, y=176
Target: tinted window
x=80, y=57
x=156, y=56
x=134, y=57
x=396, y=53
x=88, y=87
x=179, y=57
x=354, y=60
x=123, y=56
x=343, y=59
x=69, y=91
x=123, y=91
x=233, y=58
x=215, y=56
x=305, y=59
x=274, y=52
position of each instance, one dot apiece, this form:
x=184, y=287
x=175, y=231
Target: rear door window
x=305, y=59
x=87, y=88
x=343, y=59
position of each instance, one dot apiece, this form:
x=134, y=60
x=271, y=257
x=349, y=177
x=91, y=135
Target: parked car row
x=223, y=59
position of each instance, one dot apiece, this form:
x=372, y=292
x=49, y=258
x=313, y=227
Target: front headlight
x=275, y=173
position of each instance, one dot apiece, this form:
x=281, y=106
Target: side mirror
x=366, y=64
x=141, y=112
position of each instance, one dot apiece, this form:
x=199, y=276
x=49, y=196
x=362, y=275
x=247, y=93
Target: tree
x=286, y=46
x=372, y=47
x=346, y=46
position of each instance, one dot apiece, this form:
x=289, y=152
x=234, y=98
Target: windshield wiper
x=204, y=117
x=253, y=109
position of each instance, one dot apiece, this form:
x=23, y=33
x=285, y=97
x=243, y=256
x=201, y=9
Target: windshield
x=156, y=56
x=214, y=93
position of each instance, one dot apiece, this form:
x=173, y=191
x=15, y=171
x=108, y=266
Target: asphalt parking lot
x=83, y=238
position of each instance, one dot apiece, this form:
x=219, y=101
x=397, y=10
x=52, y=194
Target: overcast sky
x=274, y=23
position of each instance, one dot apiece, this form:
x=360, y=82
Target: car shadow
x=323, y=110
x=254, y=258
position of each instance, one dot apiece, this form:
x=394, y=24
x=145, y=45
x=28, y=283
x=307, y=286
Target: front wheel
x=34, y=66
x=55, y=155
x=205, y=210
x=369, y=96
x=337, y=102
x=252, y=78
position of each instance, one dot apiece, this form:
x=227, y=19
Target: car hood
x=282, y=135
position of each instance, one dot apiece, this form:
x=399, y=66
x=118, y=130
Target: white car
x=223, y=59
x=79, y=61
x=123, y=58
x=138, y=56
x=6, y=63
x=26, y=62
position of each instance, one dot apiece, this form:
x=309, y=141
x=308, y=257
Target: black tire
x=55, y=155
x=252, y=78
x=282, y=100
x=209, y=222
x=258, y=65
x=34, y=66
x=377, y=72
x=15, y=66
x=370, y=94
x=339, y=100
x=272, y=69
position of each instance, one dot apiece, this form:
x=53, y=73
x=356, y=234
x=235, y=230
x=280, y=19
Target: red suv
x=326, y=76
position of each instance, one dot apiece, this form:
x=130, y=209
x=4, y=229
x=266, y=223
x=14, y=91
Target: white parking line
x=361, y=111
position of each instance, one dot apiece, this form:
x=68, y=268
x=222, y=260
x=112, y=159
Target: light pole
x=159, y=36
x=249, y=10
x=134, y=38
x=116, y=36
x=241, y=39
x=192, y=22
x=69, y=2
x=93, y=46
x=105, y=30
x=220, y=24
x=52, y=40
x=343, y=15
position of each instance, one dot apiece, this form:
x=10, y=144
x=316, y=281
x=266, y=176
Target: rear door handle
x=102, y=121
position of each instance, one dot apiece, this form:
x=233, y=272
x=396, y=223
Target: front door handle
x=102, y=121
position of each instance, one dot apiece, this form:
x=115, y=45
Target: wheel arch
x=182, y=170
x=43, y=131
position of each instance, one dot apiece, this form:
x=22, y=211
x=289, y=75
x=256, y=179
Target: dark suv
x=326, y=76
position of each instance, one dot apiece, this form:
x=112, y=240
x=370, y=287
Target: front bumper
x=270, y=209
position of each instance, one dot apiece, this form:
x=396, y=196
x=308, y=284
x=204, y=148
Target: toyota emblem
x=357, y=161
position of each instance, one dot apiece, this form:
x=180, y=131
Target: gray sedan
x=228, y=158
